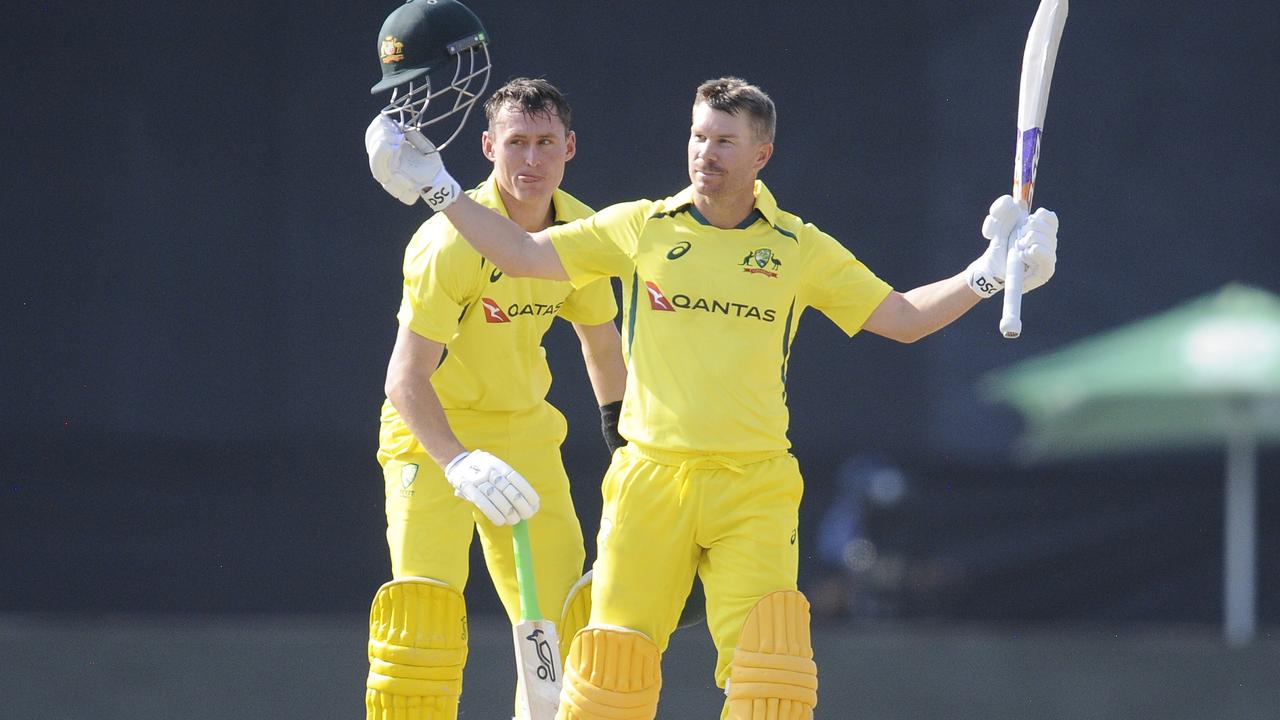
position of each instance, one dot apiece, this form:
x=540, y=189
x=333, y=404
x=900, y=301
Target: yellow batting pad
x=773, y=676
x=612, y=674
x=576, y=613
x=417, y=648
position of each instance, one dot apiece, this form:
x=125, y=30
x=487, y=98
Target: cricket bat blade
x=537, y=669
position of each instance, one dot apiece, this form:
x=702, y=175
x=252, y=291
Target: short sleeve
x=600, y=246
x=441, y=278
x=840, y=286
x=593, y=304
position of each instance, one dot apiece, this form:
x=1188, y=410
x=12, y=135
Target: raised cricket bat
x=536, y=641
x=1033, y=97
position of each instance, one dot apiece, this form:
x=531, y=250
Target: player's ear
x=570, y=146
x=486, y=145
x=764, y=151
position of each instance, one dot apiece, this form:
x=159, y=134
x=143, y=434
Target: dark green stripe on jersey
x=631, y=313
x=786, y=345
x=670, y=213
x=786, y=233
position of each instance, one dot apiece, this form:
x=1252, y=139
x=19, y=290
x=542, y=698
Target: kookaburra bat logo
x=546, y=666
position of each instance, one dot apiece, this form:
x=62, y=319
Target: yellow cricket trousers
x=429, y=530
x=730, y=518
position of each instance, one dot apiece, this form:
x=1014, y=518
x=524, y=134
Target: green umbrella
x=1202, y=375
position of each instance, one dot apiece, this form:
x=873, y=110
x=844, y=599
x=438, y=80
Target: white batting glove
x=382, y=142
x=410, y=167
x=1037, y=246
x=493, y=486
x=986, y=274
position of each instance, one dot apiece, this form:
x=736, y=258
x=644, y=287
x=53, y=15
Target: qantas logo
x=493, y=313
x=657, y=300
x=724, y=307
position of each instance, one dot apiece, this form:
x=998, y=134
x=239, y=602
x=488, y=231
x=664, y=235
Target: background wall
x=198, y=283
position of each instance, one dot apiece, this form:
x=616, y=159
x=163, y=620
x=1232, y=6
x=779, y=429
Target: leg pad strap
x=576, y=613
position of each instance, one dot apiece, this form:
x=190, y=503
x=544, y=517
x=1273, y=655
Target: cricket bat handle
x=1024, y=185
x=528, y=588
x=1011, y=317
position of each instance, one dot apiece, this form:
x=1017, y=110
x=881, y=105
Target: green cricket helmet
x=432, y=50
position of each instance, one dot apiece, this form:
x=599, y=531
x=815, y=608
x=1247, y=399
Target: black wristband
x=609, y=425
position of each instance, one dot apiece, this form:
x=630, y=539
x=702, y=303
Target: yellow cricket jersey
x=491, y=325
x=709, y=314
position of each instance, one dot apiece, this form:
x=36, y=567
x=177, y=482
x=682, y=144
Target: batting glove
x=493, y=486
x=1037, y=246
x=408, y=166
x=986, y=274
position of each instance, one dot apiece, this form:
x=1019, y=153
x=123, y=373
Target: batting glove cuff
x=442, y=192
x=986, y=274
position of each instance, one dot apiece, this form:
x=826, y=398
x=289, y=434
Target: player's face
x=724, y=153
x=528, y=152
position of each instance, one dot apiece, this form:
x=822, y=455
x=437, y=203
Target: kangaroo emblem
x=761, y=259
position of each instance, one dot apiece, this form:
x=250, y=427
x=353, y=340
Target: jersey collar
x=766, y=207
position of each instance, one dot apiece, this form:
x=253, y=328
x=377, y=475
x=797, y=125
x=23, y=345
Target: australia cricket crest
x=761, y=262
x=391, y=50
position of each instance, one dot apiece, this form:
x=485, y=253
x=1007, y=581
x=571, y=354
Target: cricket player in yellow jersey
x=468, y=442
x=715, y=279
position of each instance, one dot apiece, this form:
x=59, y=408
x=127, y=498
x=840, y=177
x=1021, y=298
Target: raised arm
x=505, y=244
x=409, y=168
x=907, y=317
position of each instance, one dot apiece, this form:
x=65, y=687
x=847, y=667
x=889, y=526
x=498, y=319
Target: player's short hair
x=734, y=95
x=531, y=96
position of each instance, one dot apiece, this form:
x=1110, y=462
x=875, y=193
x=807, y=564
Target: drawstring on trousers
x=703, y=462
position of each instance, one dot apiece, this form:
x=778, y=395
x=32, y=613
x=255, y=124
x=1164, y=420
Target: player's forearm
x=602, y=353
x=505, y=243
x=910, y=316
x=420, y=408
x=939, y=304
x=408, y=387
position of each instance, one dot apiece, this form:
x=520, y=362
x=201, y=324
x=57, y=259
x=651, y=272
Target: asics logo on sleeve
x=493, y=313
x=495, y=275
x=679, y=250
